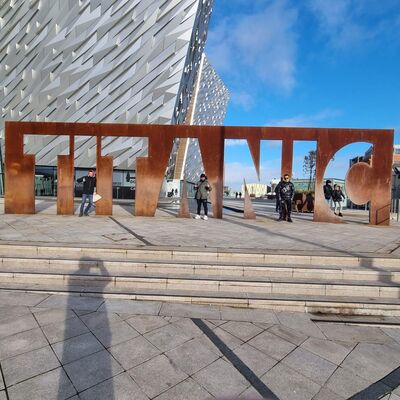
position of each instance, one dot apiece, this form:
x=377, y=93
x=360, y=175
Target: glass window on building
x=45, y=181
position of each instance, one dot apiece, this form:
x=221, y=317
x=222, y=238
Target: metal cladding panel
x=210, y=109
x=98, y=61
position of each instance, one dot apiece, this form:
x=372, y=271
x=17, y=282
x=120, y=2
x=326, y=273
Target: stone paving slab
x=93, y=354
x=232, y=232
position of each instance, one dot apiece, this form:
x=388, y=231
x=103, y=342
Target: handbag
x=96, y=197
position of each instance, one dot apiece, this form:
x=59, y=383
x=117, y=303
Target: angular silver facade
x=100, y=61
x=211, y=101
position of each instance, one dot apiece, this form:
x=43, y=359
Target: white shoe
x=205, y=218
x=197, y=217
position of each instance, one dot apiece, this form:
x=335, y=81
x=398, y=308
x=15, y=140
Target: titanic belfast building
x=121, y=61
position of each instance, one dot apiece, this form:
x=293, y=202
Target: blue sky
x=323, y=63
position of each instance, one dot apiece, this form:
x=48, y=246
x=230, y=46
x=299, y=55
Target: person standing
x=202, y=188
x=89, y=183
x=338, y=197
x=328, y=191
x=240, y=195
x=278, y=205
x=286, y=194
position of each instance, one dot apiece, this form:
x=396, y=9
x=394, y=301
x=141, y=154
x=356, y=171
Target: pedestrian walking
x=286, y=194
x=89, y=184
x=338, y=197
x=240, y=195
x=203, y=188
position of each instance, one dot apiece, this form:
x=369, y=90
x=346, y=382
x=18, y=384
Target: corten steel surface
x=104, y=176
x=184, y=206
x=19, y=167
x=19, y=174
x=248, y=206
x=65, y=181
x=287, y=157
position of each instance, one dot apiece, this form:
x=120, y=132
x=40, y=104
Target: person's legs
x=90, y=197
x=205, y=206
x=340, y=209
x=288, y=207
x=329, y=202
x=335, y=207
x=82, y=204
x=198, y=208
x=283, y=213
x=279, y=210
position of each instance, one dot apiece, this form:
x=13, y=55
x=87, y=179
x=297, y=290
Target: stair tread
x=199, y=294
x=205, y=277
x=168, y=262
x=193, y=249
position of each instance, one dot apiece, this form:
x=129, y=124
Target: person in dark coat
x=277, y=205
x=286, y=194
x=328, y=191
x=89, y=183
x=203, y=188
x=338, y=197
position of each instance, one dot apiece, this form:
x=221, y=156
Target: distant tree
x=309, y=166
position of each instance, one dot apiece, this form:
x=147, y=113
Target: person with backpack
x=89, y=183
x=286, y=194
x=338, y=197
x=202, y=188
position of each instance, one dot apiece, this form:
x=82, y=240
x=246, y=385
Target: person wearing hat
x=202, y=188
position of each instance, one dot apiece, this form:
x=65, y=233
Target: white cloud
x=242, y=99
x=236, y=171
x=306, y=120
x=350, y=23
x=271, y=144
x=235, y=142
x=262, y=43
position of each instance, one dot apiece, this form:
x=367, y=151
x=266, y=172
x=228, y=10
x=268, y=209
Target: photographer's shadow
x=87, y=336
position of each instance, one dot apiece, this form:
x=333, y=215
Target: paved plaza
x=72, y=347
x=233, y=232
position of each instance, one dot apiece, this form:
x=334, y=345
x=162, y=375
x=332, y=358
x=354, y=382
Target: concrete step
x=343, y=305
x=193, y=255
x=331, y=283
x=234, y=284
x=217, y=269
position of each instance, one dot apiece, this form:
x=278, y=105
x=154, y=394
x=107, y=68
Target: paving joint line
x=4, y=382
x=137, y=236
x=239, y=365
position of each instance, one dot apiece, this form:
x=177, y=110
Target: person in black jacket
x=89, y=183
x=337, y=197
x=286, y=194
x=328, y=191
x=278, y=203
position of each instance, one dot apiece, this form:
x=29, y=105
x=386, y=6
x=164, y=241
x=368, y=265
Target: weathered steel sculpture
x=20, y=167
x=184, y=203
x=248, y=210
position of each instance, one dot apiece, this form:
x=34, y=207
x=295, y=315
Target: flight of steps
x=312, y=283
